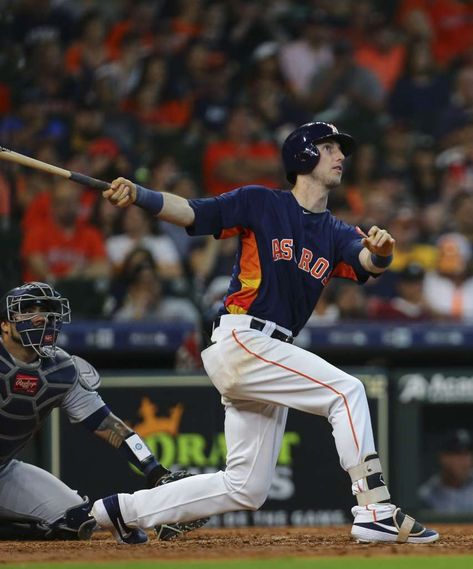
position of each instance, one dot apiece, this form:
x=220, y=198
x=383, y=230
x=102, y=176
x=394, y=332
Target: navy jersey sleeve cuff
x=351, y=256
x=92, y=422
x=208, y=217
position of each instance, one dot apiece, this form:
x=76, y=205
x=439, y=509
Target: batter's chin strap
x=370, y=473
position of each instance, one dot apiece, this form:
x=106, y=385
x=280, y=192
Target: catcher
x=36, y=377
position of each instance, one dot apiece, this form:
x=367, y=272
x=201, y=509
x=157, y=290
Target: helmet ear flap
x=309, y=157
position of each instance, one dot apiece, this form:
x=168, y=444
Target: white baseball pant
x=259, y=377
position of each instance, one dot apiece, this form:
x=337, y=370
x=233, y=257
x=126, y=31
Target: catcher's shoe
x=167, y=532
x=108, y=515
x=387, y=523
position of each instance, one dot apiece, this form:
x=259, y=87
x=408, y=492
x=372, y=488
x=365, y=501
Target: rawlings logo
x=26, y=384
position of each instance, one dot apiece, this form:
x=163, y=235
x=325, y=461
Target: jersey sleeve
x=238, y=208
x=349, y=244
x=80, y=403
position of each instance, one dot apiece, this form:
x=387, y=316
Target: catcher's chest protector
x=27, y=396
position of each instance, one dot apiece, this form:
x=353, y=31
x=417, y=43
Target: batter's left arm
x=378, y=249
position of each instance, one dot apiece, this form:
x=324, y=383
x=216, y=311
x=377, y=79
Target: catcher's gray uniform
x=28, y=393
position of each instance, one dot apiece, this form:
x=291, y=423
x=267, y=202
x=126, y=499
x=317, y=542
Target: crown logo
x=152, y=424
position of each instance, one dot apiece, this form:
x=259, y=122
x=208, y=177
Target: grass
x=394, y=562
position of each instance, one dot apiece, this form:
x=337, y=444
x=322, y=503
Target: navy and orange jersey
x=286, y=254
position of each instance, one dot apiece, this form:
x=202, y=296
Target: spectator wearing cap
x=448, y=289
x=450, y=490
x=409, y=303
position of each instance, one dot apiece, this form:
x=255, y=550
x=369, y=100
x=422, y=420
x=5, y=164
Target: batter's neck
x=312, y=198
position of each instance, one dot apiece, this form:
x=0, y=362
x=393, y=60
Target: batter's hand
x=122, y=192
x=379, y=242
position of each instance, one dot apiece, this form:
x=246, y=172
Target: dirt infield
x=236, y=543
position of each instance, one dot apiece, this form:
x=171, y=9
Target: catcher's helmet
x=300, y=154
x=18, y=306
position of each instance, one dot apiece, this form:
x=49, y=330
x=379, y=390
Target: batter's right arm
x=171, y=208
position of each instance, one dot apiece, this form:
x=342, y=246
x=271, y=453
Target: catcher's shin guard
x=369, y=478
x=76, y=523
x=16, y=527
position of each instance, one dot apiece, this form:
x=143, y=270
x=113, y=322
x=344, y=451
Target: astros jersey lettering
x=285, y=252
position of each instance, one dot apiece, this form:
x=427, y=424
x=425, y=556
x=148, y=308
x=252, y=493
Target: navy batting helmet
x=18, y=306
x=300, y=154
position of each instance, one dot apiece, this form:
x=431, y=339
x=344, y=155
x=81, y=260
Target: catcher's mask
x=300, y=154
x=38, y=312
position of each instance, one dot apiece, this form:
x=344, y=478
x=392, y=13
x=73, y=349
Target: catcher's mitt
x=172, y=531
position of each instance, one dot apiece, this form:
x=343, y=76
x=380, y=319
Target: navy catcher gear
x=299, y=152
x=18, y=307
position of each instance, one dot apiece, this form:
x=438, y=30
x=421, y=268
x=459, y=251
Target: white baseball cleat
x=388, y=524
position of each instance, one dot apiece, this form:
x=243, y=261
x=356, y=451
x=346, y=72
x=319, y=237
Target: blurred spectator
x=106, y=218
x=423, y=177
x=406, y=230
x=184, y=186
x=139, y=20
x=449, y=288
x=409, y=303
x=360, y=183
x=459, y=111
x=396, y=151
x=348, y=94
x=462, y=210
x=456, y=164
x=144, y=300
x=304, y=56
x=211, y=259
x=421, y=93
x=448, y=22
x=268, y=93
x=349, y=302
x=123, y=75
x=137, y=232
x=450, y=490
x=384, y=54
x=63, y=247
x=89, y=51
x=240, y=158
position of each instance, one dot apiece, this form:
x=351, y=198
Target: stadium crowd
x=195, y=97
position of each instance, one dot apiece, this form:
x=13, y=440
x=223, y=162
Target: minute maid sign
x=436, y=387
x=196, y=453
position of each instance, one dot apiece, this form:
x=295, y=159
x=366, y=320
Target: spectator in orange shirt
x=89, y=51
x=64, y=247
x=451, y=22
x=384, y=55
x=240, y=158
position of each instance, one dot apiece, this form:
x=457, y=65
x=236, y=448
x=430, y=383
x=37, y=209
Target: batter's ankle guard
x=374, y=490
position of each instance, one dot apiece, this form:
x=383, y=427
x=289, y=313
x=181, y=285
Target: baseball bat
x=17, y=158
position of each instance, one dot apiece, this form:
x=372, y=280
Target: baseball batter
x=36, y=377
x=290, y=247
